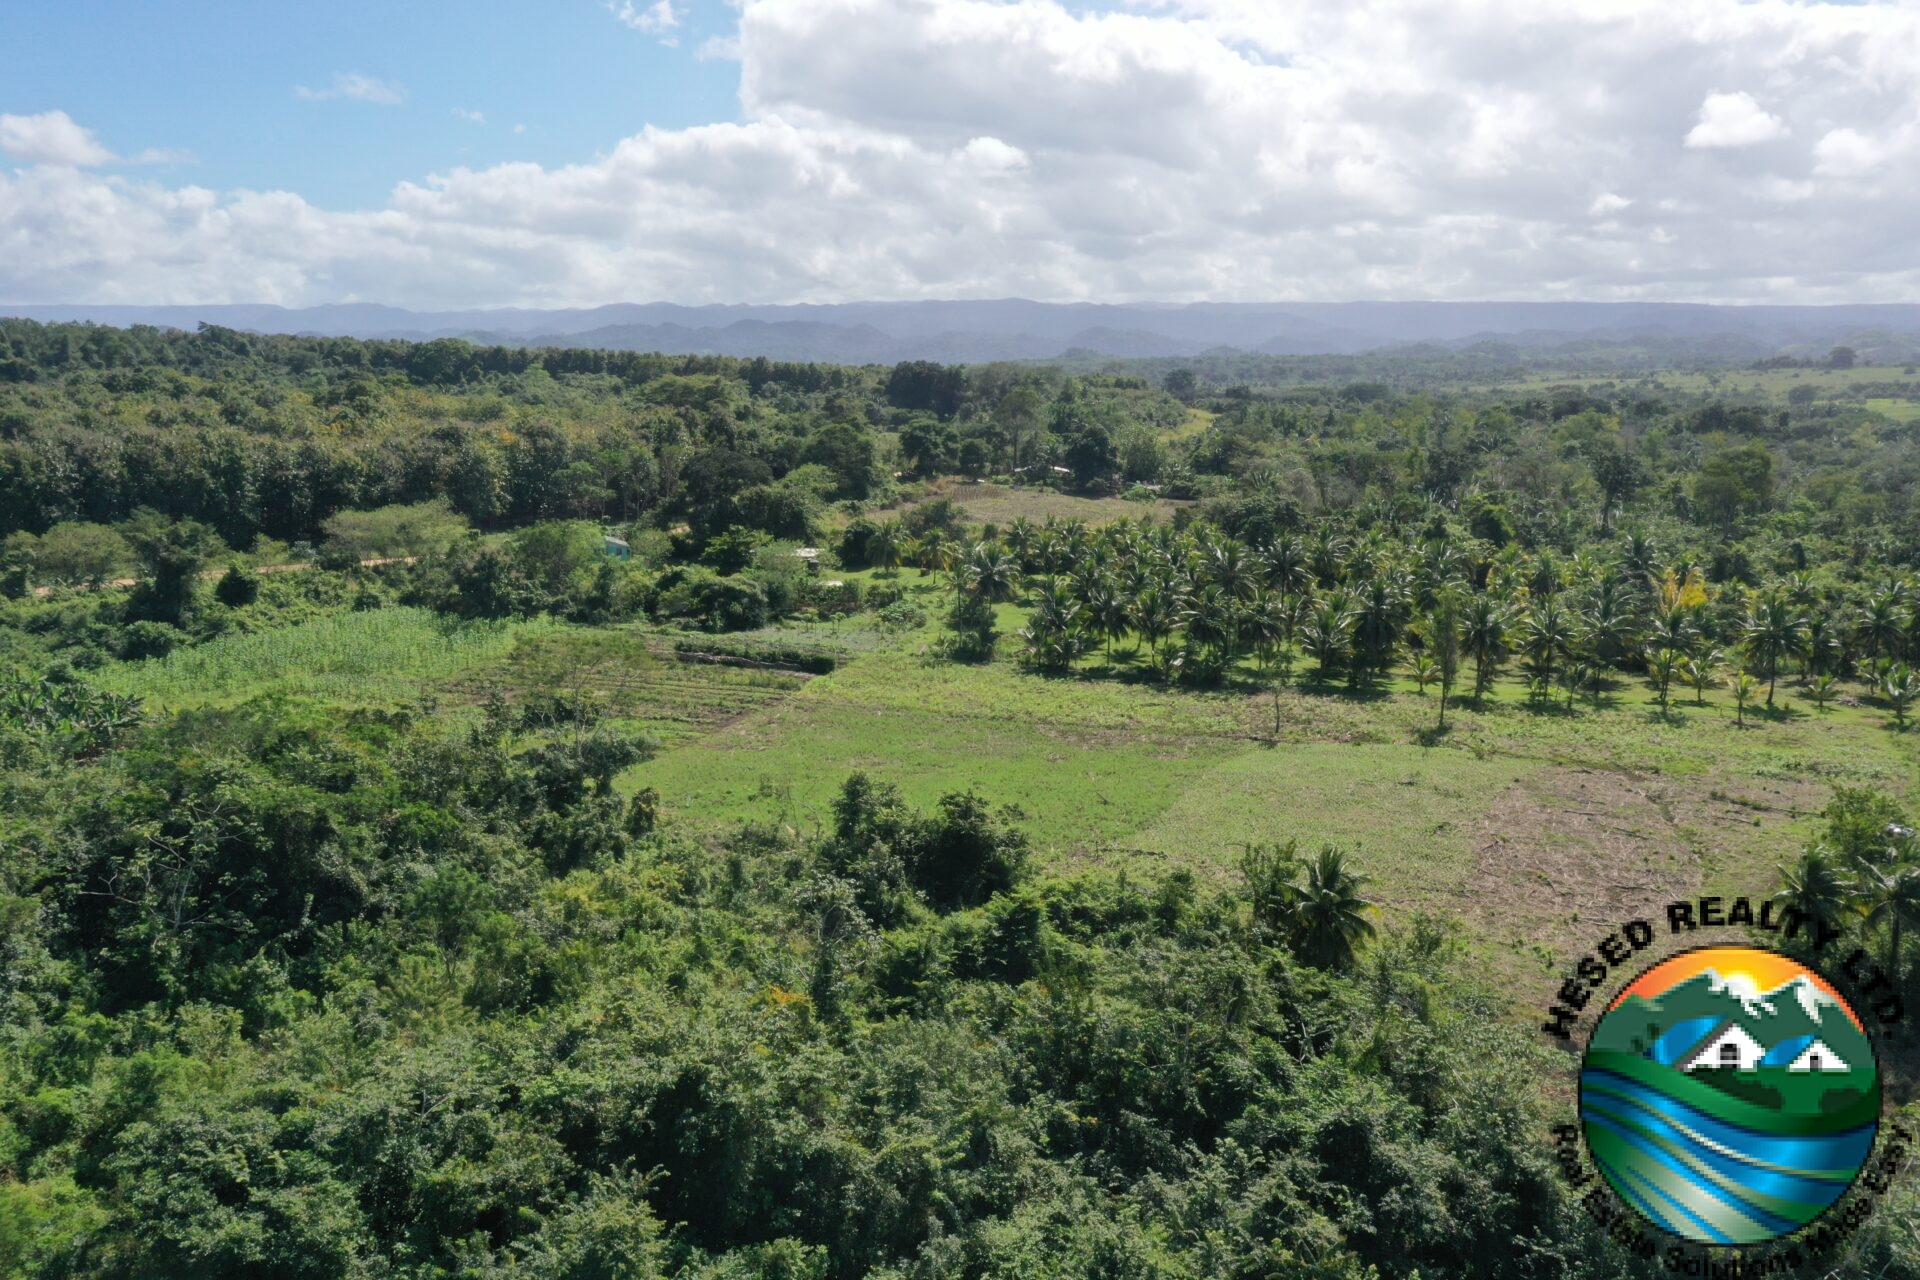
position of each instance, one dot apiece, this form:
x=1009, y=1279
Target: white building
x=1818, y=1057
x=1730, y=1046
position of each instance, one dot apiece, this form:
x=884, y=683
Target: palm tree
x=1664, y=663
x=1267, y=626
x=885, y=546
x=1891, y=897
x=988, y=574
x=1107, y=611
x=1212, y=621
x=1900, y=687
x=1285, y=563
x=1380, y=611
x=1424, y=670
x=1055, y=633
x=1330, y=917
x=1021, y=538
x=1822, y=689
x=1483, y=636
x=1823, y=642
x=1743, y=687
x=1226, y=564
x=1817, y=887
x=939, y=554
x=1327, y=632
x=1883, y=622
x=1155, y=613
x=1774, y=631
x=1700, y=670
x=1610, y=617
x=1639, y=554
x=1546, y=635
x=1327, y=556
x=1577, y=677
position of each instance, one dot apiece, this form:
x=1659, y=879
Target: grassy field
x=1521, y=820
x=1000, y=504
x=1767, y=383
x=1198, y=420
x=378, y=656
x=634, y=677
x=1898, y=410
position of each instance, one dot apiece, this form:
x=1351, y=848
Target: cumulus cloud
x=352, y=86
x=51, y=138
x=1734, y=120
x=1156, y=149
x=657, y=18
x=470, y=115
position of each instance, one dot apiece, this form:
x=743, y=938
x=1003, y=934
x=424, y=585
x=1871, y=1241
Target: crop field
x=632, y=676
x=1521, y=820
x=371, y=657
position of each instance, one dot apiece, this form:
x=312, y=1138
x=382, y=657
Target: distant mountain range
x=1012, y=329
x=1783, y=1022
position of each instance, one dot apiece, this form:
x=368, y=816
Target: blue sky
x=1101, y=150
x=219, y=80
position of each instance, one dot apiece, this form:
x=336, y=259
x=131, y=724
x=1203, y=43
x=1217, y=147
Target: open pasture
x=1523, y=820
x=364, y=658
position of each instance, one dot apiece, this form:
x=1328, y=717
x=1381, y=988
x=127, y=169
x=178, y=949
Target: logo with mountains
x=1730, y=1095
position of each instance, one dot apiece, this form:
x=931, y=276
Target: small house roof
x=1828, y=1059
x=1707, y=1053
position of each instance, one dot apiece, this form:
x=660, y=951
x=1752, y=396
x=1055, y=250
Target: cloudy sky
x=576, y=152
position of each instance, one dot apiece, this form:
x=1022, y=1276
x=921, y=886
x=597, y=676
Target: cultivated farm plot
x=364, y=658
x=632, y=677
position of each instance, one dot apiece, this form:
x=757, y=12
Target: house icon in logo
x=1729, y=1046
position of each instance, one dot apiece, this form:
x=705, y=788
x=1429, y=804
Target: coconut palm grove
x=482, y=811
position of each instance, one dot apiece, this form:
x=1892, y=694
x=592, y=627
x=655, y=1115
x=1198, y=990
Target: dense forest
x=311, y=986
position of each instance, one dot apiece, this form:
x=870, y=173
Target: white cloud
x=1734, y=120
x=656, y=18
x=51, y=138
x=352, y=86
x=469, y=115
x=1847, y=153
x=1172, y=149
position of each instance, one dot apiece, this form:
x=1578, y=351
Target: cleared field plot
x=381, y=655
x=1198, y=420
x=633, y=677
x=1522, y=821
x=1898, y=410
x=1770, y=383
x=1001, y=504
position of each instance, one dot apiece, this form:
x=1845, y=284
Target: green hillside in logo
x=1729, y=1116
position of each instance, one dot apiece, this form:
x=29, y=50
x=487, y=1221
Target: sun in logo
x=1730, y=1095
